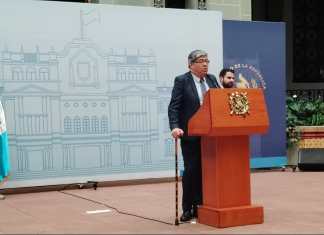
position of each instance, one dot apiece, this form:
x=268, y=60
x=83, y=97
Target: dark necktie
x=202, y=88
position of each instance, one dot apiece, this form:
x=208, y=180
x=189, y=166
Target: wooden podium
x=226, y=157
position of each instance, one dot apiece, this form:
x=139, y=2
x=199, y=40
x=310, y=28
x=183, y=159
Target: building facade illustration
x=81, y=111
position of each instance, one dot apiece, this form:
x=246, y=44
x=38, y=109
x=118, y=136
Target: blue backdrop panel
x=256, y=50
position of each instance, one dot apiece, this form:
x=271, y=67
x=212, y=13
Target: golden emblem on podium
x=239, y=103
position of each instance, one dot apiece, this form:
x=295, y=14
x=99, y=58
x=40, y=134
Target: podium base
x=231, y=216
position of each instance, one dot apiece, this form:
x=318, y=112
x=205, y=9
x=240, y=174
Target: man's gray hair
x=194, y=55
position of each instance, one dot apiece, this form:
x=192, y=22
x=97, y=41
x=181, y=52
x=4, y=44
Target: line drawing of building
x=84, y=111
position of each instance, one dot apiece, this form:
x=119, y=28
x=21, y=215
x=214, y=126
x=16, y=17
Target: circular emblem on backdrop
x=247, y=76
x=239, y=103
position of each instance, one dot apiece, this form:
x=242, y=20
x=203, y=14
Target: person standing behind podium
x=187, y=96
x=227, y=78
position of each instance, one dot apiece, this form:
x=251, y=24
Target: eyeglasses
x=202, y=61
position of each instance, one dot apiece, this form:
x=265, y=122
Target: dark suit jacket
x=185, y=101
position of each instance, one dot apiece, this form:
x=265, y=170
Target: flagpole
x=81, y=25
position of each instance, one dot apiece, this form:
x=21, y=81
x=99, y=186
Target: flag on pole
x=87, y=18
x=4, y=147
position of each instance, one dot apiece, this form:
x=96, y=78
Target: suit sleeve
x=174, y=108
x=215, y=81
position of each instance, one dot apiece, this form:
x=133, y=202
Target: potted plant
x=302, y=115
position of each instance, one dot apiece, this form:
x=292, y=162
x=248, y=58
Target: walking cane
x=176, y=181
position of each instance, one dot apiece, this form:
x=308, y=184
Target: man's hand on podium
x=177, y=133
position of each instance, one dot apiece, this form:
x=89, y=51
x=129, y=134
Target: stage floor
x=293, y=203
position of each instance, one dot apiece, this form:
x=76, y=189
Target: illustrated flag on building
x=4, y=147
x=87, y=18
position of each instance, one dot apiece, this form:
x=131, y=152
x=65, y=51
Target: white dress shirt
x=197, y=83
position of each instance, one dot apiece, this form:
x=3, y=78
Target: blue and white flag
x=4, y=147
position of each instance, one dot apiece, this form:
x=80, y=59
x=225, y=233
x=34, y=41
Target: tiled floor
x=293, y=203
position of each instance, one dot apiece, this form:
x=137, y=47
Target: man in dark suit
x=187, y=96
